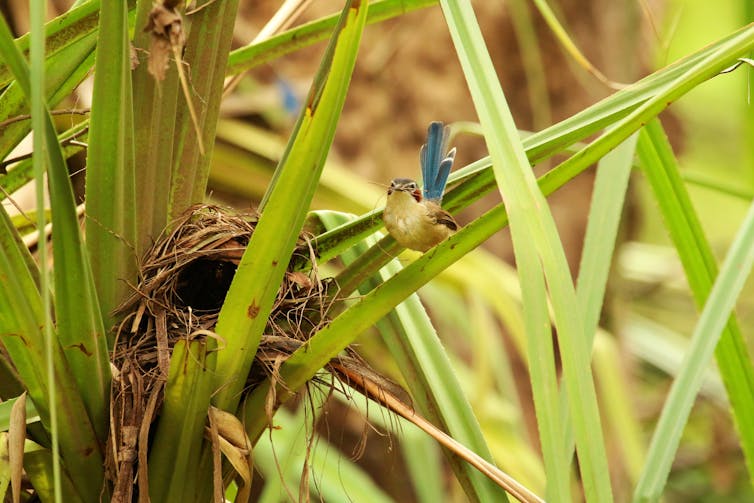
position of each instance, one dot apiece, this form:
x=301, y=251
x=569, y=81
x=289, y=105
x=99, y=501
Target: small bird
x=412, y=216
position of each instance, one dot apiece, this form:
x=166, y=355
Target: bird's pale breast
x=411, y=224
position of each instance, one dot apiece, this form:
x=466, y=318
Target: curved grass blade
x=61, y=32
x=720, y=303
x=80, y=328
x=110, y=210
x=734, y=362
x=610, y=186
x=206, y=56
x=22, y=337
x=177, y=444
x=568, y=44
x=535, y=235
x=64, y=72
x=244, y=314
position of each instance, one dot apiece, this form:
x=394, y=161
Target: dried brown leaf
x=16, y=438
x=300, y=279
x=165, y=24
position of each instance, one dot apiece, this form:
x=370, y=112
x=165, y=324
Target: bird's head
x=405, y=185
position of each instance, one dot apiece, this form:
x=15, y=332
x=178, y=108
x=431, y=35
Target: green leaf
x=79, y=325
x=538, y=251
x=110, y=229
x=244, y=314
x=21, y=314
x=21, y=334
x=177, y=444
x=733, y=359
x=206, y=57
x=610, y=186
x=64, y=72
x=39, y=467
x=82, y=335
x=61, y=32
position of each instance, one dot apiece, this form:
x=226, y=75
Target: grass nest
x=182, y=284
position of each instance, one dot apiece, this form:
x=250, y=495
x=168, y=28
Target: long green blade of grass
x=205, y=56
x=63, y=31
x=110, y=228
x=733, y=359
x=79, y=445
x=64, y=72
x=542, y=371
x=535, y=235
x=80, y=329
x=177, y=445
x=22, y=312
x=610, y=188
x=244, y=314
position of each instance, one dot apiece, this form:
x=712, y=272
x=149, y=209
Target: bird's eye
x=412, y=186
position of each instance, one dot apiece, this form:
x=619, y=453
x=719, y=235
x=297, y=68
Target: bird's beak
x=390, y=190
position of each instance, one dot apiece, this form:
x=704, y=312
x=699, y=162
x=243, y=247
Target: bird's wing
x=447, y=220
x=440, y=216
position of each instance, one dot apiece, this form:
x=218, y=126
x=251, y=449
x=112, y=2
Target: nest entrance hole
x=203, y=284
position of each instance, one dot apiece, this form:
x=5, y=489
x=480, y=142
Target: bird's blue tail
x=435, y=162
